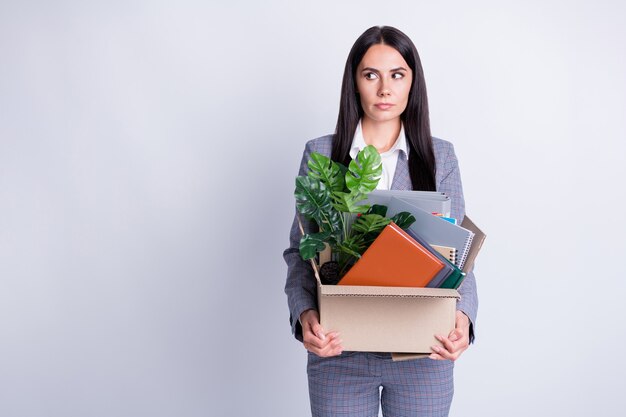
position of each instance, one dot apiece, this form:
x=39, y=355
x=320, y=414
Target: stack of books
x=434, y=252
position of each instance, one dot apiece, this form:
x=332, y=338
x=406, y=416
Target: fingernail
x=432, y=356
x=436, y=349
x=440, y=338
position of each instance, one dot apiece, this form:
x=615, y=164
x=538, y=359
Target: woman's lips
x=384, y=106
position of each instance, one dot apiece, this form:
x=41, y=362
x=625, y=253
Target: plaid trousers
x=348, y=386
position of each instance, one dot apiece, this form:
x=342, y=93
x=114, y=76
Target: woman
x=383, y=103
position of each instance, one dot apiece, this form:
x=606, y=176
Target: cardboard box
x=386, y=319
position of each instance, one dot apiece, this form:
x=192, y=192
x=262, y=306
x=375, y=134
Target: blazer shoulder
x=445, y=159
x=444, y=151
x=442, y=146
x=323, y=145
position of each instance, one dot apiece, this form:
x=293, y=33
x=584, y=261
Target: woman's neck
x=380, y=134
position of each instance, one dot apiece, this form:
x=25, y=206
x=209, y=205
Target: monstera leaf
x=329, y=172
x=403, y=219
x=349, y=202
x=369, y=226
x=353, y=247
x=312, y=243
x=314, y=201
x=377, y=209
x=364, y=171
x=370, y=223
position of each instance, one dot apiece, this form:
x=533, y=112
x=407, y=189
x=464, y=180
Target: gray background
x=147, y=158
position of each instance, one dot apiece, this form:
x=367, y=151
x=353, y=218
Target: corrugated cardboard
x=386, y=319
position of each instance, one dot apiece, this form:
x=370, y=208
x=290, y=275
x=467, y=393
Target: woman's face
x=383, y=80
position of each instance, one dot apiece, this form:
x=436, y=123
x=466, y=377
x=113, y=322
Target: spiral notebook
x=435, y=230
x=477, y=243
x=447, y=252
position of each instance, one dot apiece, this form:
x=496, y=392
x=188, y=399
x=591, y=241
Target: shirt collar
x=358, y=143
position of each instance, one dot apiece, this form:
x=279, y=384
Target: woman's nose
x=384, y=90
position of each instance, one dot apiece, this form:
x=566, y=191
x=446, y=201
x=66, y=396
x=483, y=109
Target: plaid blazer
x=301, y=286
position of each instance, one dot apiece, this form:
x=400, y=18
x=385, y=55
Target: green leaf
x=349, y=202
x=312, y=243
x=403, y=219
x=353, y=247
x=370, y=223
x=349, y=251
x=314, y=201
x=329, y=172
x=364, y=171
x=378, y=209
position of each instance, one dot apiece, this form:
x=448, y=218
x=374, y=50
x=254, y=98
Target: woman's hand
x=315, y=339
x=456, y=342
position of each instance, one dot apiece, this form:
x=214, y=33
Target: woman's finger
x=332, y=347
x=448, y=345
x=450, y=350
x=442, y=352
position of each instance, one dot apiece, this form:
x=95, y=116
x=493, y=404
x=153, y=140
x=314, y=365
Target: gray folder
x=430, y=201
x=447, y=268
x=435, y=230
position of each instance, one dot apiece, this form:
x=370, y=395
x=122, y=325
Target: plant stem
x=343, y=227
x=344, y=221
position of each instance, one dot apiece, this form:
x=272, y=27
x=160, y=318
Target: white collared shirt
x=389, y=158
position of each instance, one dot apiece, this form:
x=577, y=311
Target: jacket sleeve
x=301, y=286
x=451, y=185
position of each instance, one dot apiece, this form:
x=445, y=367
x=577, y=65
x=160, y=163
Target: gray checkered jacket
x=301, y=287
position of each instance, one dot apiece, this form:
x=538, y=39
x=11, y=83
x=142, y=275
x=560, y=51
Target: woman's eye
x=397, y=76
x=370, y=76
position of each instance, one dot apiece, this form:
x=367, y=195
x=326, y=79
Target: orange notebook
x=394, y=259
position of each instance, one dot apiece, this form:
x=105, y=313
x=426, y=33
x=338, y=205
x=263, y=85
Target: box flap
x=372, y=291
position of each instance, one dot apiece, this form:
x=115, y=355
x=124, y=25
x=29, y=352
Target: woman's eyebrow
x=375, y=70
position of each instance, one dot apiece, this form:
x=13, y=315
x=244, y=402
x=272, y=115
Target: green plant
x=332, y=196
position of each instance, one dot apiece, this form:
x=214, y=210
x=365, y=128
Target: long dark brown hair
x=415, y=116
